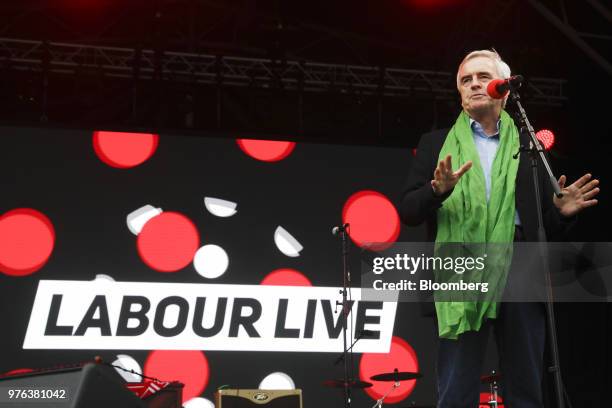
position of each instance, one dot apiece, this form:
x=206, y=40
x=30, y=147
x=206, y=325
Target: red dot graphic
x=124, y=150
x=27, y=238
x=168, y=242
x=373, y=219
x=189, y=367
x=400, y=356
x=266, y=150
x=286, y=277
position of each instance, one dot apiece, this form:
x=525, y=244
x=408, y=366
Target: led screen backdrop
x=201, y=259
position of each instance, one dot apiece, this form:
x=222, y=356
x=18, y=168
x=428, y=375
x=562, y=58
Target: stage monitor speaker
x=169, y=397
x=238, y=398
x=90, y=386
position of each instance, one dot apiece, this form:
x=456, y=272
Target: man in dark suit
x=487, y=196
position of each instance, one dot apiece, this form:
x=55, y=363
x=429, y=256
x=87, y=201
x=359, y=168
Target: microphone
x=498, y=88
x=339, y=228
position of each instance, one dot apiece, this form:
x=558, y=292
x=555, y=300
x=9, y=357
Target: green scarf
x=465, y=217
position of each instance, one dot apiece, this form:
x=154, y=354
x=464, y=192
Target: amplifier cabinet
x=90, y=386
x=239, y=398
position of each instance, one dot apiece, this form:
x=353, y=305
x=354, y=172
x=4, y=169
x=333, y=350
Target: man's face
x=474, y=76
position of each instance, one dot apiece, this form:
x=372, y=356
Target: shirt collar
x=477, y=129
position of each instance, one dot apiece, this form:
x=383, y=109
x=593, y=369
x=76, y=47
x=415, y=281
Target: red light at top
x=266, y=150
x=124, y=150
x=433, y=4
x=547, y=138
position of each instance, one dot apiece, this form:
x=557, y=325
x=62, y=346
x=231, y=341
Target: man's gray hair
x=503, y=70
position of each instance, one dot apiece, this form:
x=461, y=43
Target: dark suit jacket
x=419, y=204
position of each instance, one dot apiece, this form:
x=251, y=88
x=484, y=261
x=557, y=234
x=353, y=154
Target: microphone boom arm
x=536, y=146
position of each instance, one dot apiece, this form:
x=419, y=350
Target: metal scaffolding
x=147, y=64
x=581, y=39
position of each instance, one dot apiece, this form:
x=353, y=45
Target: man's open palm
x=444, y=176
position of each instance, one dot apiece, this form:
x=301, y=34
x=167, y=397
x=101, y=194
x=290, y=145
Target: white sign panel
x=187, y=316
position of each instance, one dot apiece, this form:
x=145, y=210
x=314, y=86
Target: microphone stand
x=359, y=336
x=535, y=151
x=346, y=308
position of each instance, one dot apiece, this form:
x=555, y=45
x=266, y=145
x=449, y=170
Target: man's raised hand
x=577, y=196
x=444, y=178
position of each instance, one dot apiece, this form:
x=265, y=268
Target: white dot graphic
x=128, y=363
x=198, y=402
x=286, y=243
x=103, y=277
x=138, y=218
x=210, y=261
x=277, y=381
x=219, y=207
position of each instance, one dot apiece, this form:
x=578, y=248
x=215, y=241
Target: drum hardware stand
x=396, y=384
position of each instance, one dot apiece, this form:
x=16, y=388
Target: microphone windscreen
x=492, y=89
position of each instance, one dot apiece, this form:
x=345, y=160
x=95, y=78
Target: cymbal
x=352, y=384
x=488, y=379
x=396, y=376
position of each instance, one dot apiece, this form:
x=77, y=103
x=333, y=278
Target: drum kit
x=395, y=377
x=492, y=380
